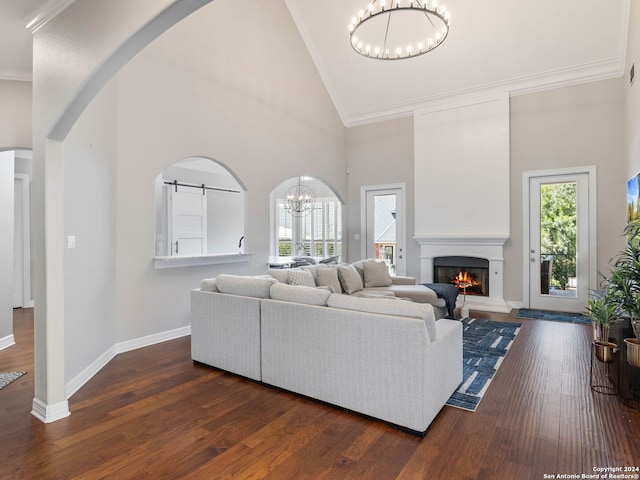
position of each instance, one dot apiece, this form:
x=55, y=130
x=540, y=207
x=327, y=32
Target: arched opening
x=316, y=232
x=200, y=209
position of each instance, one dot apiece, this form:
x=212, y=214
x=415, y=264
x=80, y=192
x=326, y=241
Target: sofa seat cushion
x=387, y=306
x=258, y=286
x=375, y=293
x=300, y=294
x=417, y=293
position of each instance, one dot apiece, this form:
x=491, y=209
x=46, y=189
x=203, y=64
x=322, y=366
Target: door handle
x=176, y=247
x=532, y=259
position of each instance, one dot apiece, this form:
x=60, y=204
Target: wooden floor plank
x=153, y=413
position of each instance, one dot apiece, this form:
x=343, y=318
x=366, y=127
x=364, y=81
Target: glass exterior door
x=559, y=242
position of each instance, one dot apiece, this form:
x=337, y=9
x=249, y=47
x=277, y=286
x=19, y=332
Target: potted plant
x=624, y=282
x=625, y=277
x=603, y=310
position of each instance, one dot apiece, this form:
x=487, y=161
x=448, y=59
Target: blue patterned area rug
x=484, y=344
x=7, y=378
x=553, y=316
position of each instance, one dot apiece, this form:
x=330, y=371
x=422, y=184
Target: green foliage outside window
x=558, y=228
x=284, y=249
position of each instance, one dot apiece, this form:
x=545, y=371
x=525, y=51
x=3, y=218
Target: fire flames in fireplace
x=467, y=273
x=463, y=280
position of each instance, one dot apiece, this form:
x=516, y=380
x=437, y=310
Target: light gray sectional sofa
x=383, y=357
x=372, y=279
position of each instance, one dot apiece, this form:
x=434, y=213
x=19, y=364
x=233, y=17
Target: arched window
x=315, y=232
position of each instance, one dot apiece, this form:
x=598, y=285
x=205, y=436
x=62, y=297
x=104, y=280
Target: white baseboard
x=88, y=373
x=49, y=413
x=152, y=339
x=7, y=341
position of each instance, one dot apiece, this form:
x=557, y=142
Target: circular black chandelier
x=419, y=27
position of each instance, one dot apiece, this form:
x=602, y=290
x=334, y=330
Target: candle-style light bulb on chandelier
x=299, y=200
x=417, y=27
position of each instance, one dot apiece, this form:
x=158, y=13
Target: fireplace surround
x=488, y=248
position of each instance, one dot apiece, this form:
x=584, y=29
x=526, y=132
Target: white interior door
x=384, y=227
x=188, y=222
x=559, y=251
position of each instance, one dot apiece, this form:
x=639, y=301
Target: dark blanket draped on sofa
x=448, y=292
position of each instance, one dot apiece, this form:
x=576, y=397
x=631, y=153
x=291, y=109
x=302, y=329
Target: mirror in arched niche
x=199, y=210
x=315, y=233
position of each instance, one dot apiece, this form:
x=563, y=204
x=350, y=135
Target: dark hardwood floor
x=153, y=413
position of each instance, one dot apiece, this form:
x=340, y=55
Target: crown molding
x=574, y=75
x=563, y=77
x=16, y=75
x=36, y=20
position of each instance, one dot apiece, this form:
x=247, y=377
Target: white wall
x=381, y=154
x=6, y=244
x=89, y=166
x=569, y=127
x=632, y=94
x=262, y=111
x=462, y=168
x=15, y=114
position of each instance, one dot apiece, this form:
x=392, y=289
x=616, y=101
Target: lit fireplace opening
x=464, y=272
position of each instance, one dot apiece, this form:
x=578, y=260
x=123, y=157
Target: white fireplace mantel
x=489, y=247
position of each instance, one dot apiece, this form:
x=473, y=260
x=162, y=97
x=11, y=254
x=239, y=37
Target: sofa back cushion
x=376, y=274
x=388, y=306
x=349, y=279
x=300, y=294
x=258, y=286
x=280, y=274
x=208, y=285
x=328, y=277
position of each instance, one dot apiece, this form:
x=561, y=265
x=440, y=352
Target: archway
x=97, y=54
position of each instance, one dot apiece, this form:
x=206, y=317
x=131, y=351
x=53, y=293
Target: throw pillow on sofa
x=328, y=277
x=303, y=278
x=349, y=279
x=376, y=274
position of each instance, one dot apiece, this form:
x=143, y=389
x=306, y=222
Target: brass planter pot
x=633, y=351
x=605, y=351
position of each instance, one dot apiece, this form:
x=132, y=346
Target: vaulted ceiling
x=499, y=46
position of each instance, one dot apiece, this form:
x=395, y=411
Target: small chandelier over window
x=299, y=200
x=419, y=26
